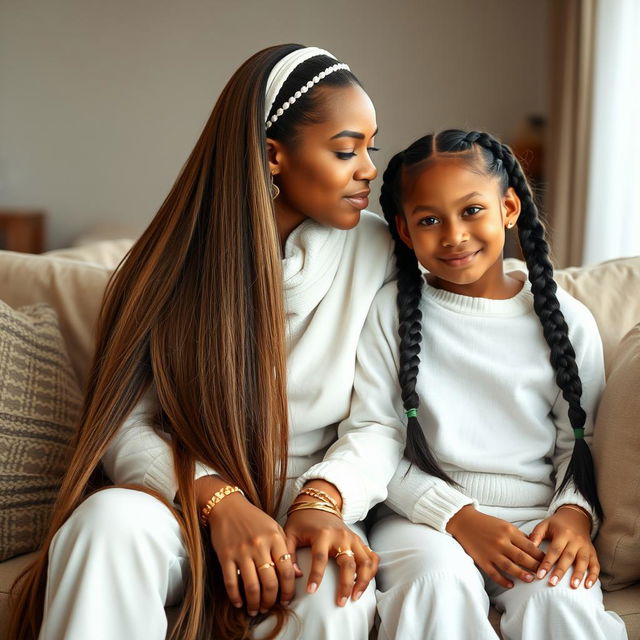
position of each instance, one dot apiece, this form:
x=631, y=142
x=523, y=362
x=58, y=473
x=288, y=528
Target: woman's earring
x=275, y=190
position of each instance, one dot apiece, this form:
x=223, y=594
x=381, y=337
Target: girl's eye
x=473, y=210
x=428, y=222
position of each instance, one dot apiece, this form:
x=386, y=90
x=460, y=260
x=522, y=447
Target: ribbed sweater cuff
x=571, y=496
x=161, y=476
x=438, y=505
x=350, y=484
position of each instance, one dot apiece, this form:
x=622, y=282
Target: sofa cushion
x=74, y=289
x=607, y=290
x=616, y=449
x=40, y=402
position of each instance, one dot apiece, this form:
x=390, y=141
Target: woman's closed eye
x=347, y=155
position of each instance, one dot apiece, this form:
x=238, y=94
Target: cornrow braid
x=535, y=249
x=417, y=449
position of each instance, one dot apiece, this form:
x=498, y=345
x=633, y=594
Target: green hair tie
x=411, y=413
x=578, y=433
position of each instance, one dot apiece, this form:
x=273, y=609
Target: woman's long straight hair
x=196, y=308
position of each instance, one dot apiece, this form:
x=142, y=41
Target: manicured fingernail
x=356, y=596
x=342, y=601
x=285, y=603
x=253, y=613
x=312, y=588
x=553, y=581
x=296, y=567
x=576, y=582
x=528, y=577
x=237, y=604
x=589, y=584
x=541, y=574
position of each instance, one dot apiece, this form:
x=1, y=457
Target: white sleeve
x=423, y=498
x=371, y=440
x=587, y=344
x=139, y=454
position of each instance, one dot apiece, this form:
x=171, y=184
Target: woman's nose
x=367, y=170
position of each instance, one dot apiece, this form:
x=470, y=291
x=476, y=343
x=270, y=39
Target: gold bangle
x=215, y=498
x=578, y=509
x=320, y=495
x=319, y=506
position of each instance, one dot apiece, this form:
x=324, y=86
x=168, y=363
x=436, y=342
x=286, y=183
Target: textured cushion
x=39, y=405
x=74, y=289
x=616, y=449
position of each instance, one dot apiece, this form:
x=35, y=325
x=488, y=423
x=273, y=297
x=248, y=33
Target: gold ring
x=286, y=556
x=346, y=552
x=266, y=565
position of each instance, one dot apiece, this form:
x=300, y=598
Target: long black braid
x=499, y=161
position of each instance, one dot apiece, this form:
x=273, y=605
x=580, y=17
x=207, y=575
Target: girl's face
x=325, y=173
x=454, y=220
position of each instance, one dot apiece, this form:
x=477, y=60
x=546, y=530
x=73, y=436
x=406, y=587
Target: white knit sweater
x=489, y=406
x=330, y=279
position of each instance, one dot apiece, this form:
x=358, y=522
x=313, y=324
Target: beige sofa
x=73, y=282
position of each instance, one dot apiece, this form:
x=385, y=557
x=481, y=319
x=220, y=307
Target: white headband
x=283, y=69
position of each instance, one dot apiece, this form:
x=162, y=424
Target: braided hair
x=499, y=161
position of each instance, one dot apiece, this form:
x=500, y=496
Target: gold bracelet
x=319, y=506
x=578, y=509
x=215, y=498
x=320, y=495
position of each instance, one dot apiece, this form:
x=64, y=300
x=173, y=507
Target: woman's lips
x=358, y=200
x=461, y=260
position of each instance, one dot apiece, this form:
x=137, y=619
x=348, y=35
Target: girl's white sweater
x=330, y=279
x=489, y=407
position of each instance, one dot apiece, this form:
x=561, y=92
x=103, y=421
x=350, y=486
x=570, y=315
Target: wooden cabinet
x=22, y=230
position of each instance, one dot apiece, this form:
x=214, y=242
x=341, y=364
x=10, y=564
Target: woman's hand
x=495, y=545
x=569, y=533
x=246, y=540
x=327, y=535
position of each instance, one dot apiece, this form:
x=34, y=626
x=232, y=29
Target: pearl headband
x=283, y=69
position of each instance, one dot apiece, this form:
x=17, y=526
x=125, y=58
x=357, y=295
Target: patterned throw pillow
x=40, y=402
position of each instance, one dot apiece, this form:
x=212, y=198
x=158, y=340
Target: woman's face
x=325, y=173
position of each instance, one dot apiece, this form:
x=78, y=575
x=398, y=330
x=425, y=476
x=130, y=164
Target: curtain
x=613, y=205
x=572, y=36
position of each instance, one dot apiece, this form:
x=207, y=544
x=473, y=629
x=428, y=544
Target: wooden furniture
x=22, y=230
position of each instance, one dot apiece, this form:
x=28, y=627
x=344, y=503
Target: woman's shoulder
x=372, y=229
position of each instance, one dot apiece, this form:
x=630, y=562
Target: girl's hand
x=570, y=536
x=495, y=545
x=325, y=533
x=246, y=539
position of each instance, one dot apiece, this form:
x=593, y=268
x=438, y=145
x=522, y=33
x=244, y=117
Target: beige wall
x=100, y=102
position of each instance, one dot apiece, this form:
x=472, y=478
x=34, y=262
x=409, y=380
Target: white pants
x=119, y=560
x=430, y=588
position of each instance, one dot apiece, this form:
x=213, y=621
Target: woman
x=212, y=396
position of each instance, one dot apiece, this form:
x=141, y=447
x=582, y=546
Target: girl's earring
x=275, y=190
x=509, y=225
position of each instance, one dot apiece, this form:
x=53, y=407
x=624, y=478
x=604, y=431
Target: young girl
x=497, y=379
x=225, y=356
